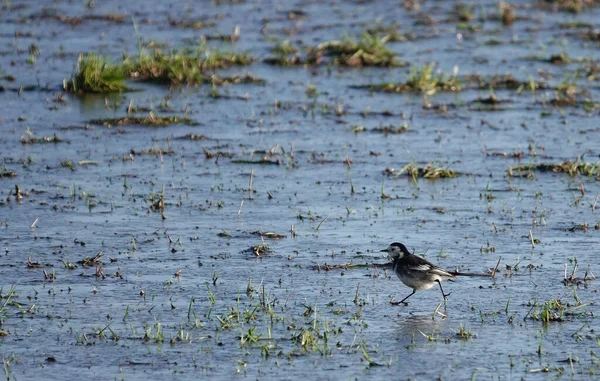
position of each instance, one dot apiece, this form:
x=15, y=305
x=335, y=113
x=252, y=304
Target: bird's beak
x=385, y=250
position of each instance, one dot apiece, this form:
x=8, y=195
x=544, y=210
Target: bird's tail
x=457, y=273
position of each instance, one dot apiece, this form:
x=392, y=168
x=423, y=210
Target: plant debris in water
x=572, y=168
x=571, y=6
x=5, y=172
x=368, y=50
x=391, y=129
x=270, y=235
x=150, y=120
x=192, y=24
x=91, y=261
x=430, y=171
x=422, y=79
x=260, y=250
x=30, y=139
x=555, y=310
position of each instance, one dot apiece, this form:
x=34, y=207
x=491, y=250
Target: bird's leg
x=445, y=295
x=402, y=301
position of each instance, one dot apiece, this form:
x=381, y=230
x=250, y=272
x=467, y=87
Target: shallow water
x=221, y=309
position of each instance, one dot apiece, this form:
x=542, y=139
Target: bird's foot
x=398, y=303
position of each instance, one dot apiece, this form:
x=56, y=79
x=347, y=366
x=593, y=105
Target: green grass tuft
x=95, y=74
x=369, y=50
x=422, y=79
x=187, y=66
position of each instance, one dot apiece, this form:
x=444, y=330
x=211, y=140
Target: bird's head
x=396, y=251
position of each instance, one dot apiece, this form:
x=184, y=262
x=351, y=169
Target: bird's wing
x=421, y=265
x=423, y=268
x=441, y=272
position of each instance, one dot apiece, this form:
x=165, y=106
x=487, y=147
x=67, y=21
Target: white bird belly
x=418, y=284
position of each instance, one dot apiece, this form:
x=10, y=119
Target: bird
x=416, y=272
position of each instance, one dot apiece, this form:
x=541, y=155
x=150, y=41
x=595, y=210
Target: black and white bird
x=416, y=272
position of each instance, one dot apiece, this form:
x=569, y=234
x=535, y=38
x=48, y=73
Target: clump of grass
x=556, y=310
x=578, y=167
x=464, y=12
x=286, y=54
x=78, y=20
x=555, y=59
x=591, y=71
x=392, y=129
x=575, y=25
x=369, y=50
x=236, y=79
x=552, y=310
x=572, y=168
x=31, y=139
x=284, y=60
x=565, y=94
x=188, y=66
x=269, y=235
x=5, y=302
x=150, y=120
x=91, y=261
x=507, y=13
x=507, y=81
x=423, y=79
x=261, y=250
x=153, y=151
x=95, y=74
x=192, y=24
x=572, y=6
x=463, y=333
x=430, y=171
x=68, y=164
x=157, y=202
x=225, y=37
x=591, y=34
x=560, y=59
x=5, y=172
x=573, y=279
x=193, y=137
x=391, y=33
